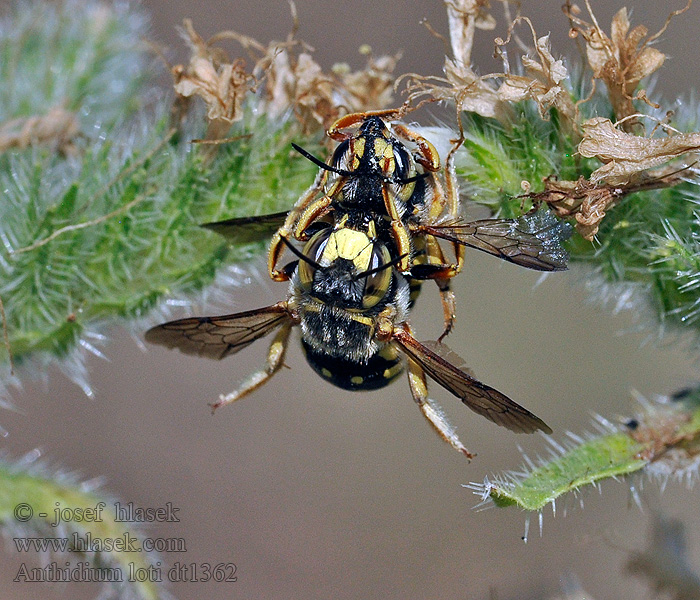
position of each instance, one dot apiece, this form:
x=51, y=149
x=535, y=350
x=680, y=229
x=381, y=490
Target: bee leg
x=449, y=198
x=429, y=263
x=275, y=361
x=431, y=411
x=449, y=306
x=277, y=246
x=317, y=210
x=451, y=181
x=399, y=231
x=428, y=156
x=351, y=120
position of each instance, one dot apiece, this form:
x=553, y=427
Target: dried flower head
x=581, y=199
x=588, y=201
x=58, y=127
x=622, y=59
x=222, y=84
x=308, y=90
x=371, y=88
x=290, y=78
x=317, y=98
x=627, y=156
x=543, y=79
x=461, y=84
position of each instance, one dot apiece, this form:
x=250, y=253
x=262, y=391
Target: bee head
x=345, y=267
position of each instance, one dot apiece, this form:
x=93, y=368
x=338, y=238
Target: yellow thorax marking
x=372, y=230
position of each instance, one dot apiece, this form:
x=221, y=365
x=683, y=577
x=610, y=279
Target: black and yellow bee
x=369, y=227
x=387, y=173
x=351, y=304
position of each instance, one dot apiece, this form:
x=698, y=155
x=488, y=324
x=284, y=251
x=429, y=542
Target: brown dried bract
x=222, y=84
x=622, y=59
x=588, y=201
x=371, y=88
x=461, y=84
x=318, y=99
x=290, y=78
x=585, y=201
x=626, y=156
x=543, y=79
x=58, y=128
x=305, y=88
x=631, y=164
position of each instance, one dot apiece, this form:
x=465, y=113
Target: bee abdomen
x=380, y=370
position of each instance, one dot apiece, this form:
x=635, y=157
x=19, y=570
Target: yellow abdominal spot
x=392, y=371
x=389, y=352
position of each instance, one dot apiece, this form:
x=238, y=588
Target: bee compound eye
x=402, y=159
x=313, y=249
x=377, y=284
x=341, y=155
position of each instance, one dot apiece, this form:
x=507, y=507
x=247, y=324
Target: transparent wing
x=245, y=230
x=532, y=241
x=217, y=337
x=481, y=398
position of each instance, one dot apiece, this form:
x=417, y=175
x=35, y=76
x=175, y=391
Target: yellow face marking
x=358, y=150
x=357, y=380
x=351, y=245
x=385, y=154
x=326, y=373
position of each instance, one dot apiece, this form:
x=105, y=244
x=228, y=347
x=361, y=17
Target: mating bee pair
x=369, y=226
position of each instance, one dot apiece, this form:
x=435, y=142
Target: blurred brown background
x=317, y=493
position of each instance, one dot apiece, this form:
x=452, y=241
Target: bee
x=369, y=228
x=385, y=172
x=351, y=303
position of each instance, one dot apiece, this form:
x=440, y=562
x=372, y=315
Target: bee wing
x=217, y=337
x=245, y=230
x=532, y=241
x=488, y=402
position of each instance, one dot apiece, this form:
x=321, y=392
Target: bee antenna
x=388, y=265
x=414, y=178
x=301, y=255
x=319, y=163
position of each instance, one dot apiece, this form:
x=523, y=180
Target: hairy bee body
x=338, y=309
x=379, y=163
x=381, y=368
x=369, y=227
